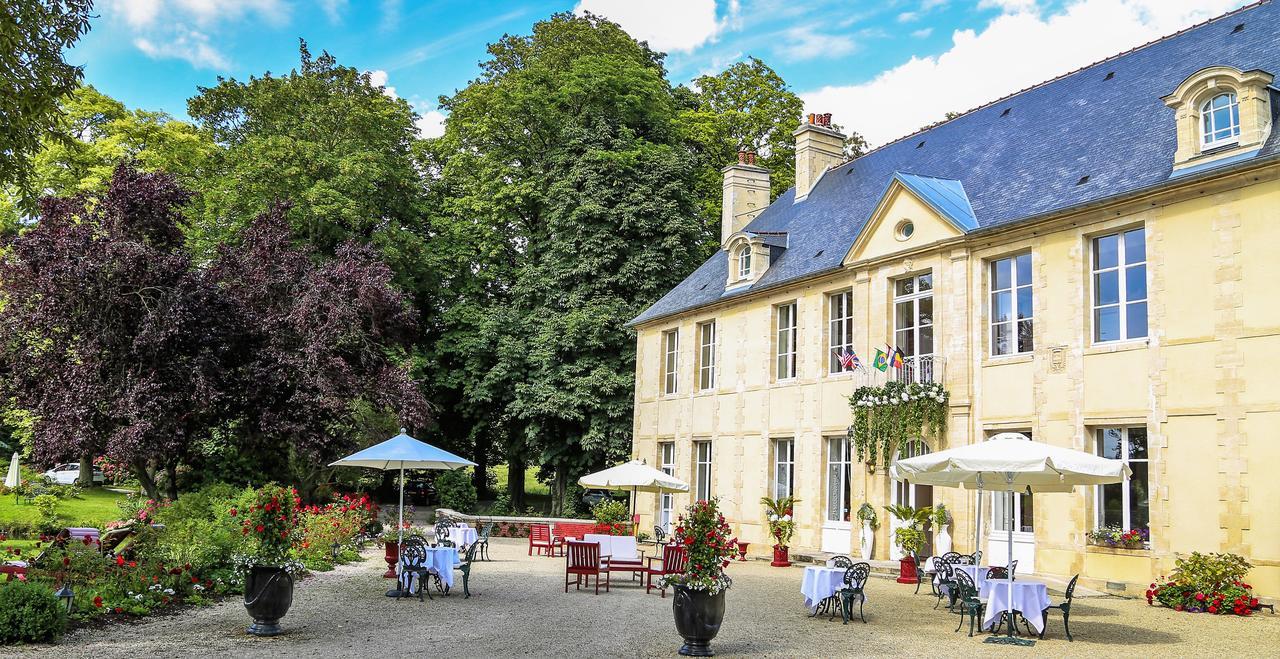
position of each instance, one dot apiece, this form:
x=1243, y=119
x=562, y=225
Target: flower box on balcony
x=1115, y=538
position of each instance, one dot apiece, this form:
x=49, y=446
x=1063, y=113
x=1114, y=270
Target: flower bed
x=1112, y=536
x=1211, y=583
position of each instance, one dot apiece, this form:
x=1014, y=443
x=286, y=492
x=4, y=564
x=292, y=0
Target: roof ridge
x=1010, y=95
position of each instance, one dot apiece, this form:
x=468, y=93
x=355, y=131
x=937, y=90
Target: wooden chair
x=674, y=559
x=540, y=539
x=1065, y=608
x=855, y=583
x=582, y=559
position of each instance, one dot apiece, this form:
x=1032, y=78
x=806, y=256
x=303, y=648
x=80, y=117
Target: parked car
x=68, y=473
x=593, y=497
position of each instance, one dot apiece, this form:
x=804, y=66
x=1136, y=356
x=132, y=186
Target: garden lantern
x=66, y=595
x=335, y=551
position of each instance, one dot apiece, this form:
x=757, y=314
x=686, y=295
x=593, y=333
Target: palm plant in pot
x=268, y=526
x=909, y=536
x=782, y=526
x=698, y=603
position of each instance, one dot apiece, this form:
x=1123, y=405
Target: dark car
x=419, y=490
x=592, y=498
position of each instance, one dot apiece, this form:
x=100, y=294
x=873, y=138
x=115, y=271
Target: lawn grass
x=95, y=507
x=531, y=484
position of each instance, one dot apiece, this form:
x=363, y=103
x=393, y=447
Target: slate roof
x=1014, y=159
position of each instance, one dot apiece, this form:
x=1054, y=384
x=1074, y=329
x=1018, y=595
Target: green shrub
x=456, y=491
x=47, y=506
x=30, y=613
x=610, y=512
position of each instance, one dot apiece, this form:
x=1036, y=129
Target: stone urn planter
x=268, y=593
x=698, y=616
x=392, y=555
x=906, y=570
x=742, y=551
x=941, y=541
x=866, y=541
x=781, y=556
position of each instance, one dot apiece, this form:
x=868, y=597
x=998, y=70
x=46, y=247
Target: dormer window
x=744, y=262
x=1220, y=117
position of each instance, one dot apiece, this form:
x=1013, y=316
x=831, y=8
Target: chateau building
x=1090, y=262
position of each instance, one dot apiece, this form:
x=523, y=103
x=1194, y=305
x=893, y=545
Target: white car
x=68, y=473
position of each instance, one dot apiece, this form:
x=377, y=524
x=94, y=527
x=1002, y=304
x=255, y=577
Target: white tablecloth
x=976, y=572
x=441, y=561
x=820, y=583
x=1029, y=597
x=462, y=536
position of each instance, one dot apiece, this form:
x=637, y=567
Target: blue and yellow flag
x=881, y=361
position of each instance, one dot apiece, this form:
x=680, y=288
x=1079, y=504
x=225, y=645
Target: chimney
x=818, y=148
x=746, y=193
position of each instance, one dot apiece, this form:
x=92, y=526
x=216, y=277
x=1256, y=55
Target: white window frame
x=1016, y=313
x=784, y=468
x=785, y=353
x=1122, y=302
x=667, y=507
x=1126, y=492
x=914, y=298
x=839, y=329
x=1000, y=516
x=839, y=480
x=744, y=261
x=702, y=457
x=671, y=362
x=707, y=341
x=1208, y=122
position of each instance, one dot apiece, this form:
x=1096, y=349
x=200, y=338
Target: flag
x=898, y=356
x=847, y=358
x=882, y=360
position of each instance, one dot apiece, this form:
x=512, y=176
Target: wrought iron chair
x=1065, y=608
x=840, y=561
x=465, y=568
x=952, y=556
x=583, y=560
x=659, y=535
x=674, y=559
x=997, y=572
x=442, y=533
x=483, y=541
x=414, y=563
x=946, y=582
x=831, y=603
x=1002, y=572
x=915, y=556
x=855, y=582
x=1013, y=574
x=967, y=598
x=977, y=557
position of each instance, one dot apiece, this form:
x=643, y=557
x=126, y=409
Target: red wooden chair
x=583, y=560
x=540, y=539
x=674, y=559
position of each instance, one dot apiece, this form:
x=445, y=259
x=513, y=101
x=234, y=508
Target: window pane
x=926, y=341
x=1135, y=246
x=1135, y=283
x=1106, y=324
x=1024, y=269
x=1136, y=320
x=1137, y=443
x=1001, y=307
x=904, y=286
x=925, y=313
x=1000, y=339
x=1105, y=252
x=834, y=489
x=926, y=282
x=1111, y=505
x=1024, y=302
x=1025, y=336
x=1027, y=513
x=1106, y=287
x=1109, y=443
x=1001, y=275
x=1139, y=504
x=904, y=315
x=907, y=342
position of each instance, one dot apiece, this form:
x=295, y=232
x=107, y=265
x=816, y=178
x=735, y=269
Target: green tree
x=34, y=76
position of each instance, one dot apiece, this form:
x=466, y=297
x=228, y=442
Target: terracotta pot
x=393, y=555
x=906, y=570
x=698, y=616
x=780, y=557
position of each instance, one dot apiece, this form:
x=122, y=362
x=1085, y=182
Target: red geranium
x=97, y=601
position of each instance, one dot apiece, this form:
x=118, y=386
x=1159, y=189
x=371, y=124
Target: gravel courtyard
x=519, y=608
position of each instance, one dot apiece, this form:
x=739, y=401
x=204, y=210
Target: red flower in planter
x=1253, y=602
x=195, y=579
x=1177, y=608
x=119, y=561
x=259, y=528
x=1199, y=597
x=1213, y=609
x=88, y=541
x=244, y=530
x=119, y=610
x=133, y=563
x=97, y=601
x=233, y=512
x=66, y=562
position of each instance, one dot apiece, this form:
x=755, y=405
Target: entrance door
x=837, y=531
x=1024, y=532
x=910, y=494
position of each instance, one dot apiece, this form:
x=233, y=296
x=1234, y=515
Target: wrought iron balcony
x=921, y=369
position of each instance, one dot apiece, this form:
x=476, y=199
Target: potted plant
x=870, y=524
x=611, y=517
x=909, y=536
x=268, y=527
x=1114, y=536
x=941, y=537
x=390, y=537
x=782, y=527
x=698, y=604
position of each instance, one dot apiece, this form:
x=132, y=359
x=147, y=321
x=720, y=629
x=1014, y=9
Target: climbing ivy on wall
x=885, y=417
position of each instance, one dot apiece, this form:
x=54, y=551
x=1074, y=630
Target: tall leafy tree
x=34, y=76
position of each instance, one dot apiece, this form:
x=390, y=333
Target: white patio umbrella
x=14, y=478
x=636, y=476
x=1010, y=462
x=403, y=452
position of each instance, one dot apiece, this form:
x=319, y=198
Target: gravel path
x=519, y=608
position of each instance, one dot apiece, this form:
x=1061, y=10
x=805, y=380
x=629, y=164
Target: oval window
x=904, y=230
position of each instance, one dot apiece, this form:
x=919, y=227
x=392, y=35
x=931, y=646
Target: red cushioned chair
x=674, y=559
x=583, y=560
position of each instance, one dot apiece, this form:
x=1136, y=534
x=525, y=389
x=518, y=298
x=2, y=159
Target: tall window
x=707, y=355
x=1011, y=330
x=1120, y=286
x=838, y=479
x=786, y=366
x=1221, y=120
x=744, y=261
x=913, y=315
x=1126, y=505
x=671, y=361
x=1023, y=509
x=668, y=461
x=784, y=465
x=840, y=329
x=702, y=462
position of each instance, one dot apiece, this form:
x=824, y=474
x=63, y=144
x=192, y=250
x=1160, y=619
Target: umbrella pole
x=395, y=592
x=1009, y=557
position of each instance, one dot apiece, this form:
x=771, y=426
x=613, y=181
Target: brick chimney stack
x=746, y=193
x=819, y=147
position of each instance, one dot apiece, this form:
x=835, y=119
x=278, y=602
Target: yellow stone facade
x=1203, y=383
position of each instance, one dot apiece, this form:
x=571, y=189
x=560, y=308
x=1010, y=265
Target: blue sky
x=883, y=68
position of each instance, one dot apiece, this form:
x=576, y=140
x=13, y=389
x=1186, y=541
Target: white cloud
x=922, y=33
x=378, y=78
x=161, y=28
x=430, y=124
x=190, y=46
x=803, y=43
x=1016, y=50
x=668, y=25
x=333, y=9
x=138, y=12
x=1008, y=6
x=908, y=16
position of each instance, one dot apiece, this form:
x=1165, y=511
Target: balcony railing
x=922, y=369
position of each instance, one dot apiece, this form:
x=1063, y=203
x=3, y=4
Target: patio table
x=976, y=572
x=1030, y=598
x=462, y=536
x=820, y=583
x=442, y=561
